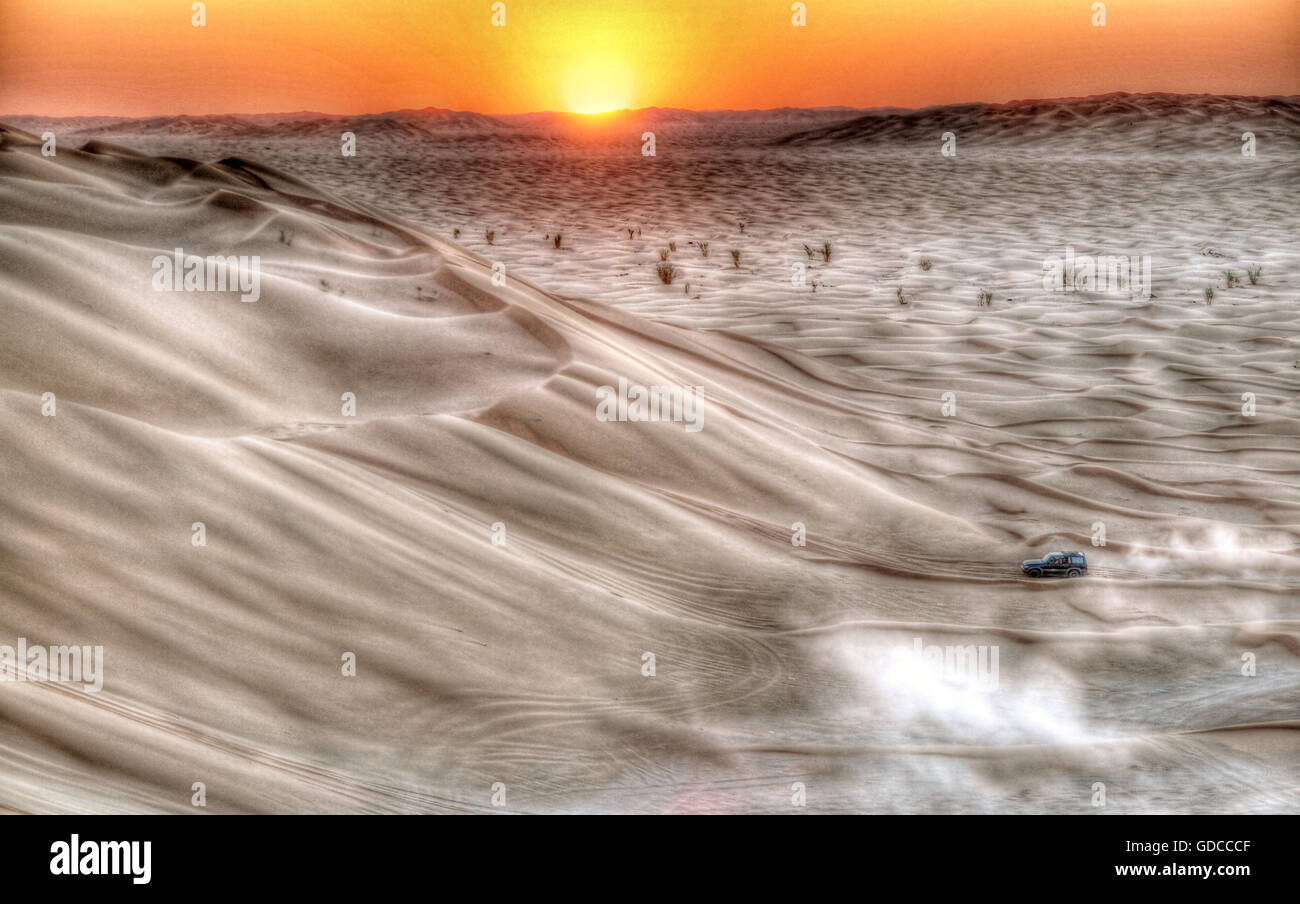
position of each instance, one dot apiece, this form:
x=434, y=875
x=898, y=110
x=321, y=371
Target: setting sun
x=590, y=56
x=597, y=84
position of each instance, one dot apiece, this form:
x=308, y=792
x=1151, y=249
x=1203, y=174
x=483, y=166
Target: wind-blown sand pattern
x=774, y=663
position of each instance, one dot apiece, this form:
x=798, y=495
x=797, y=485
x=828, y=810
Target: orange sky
x=143, y=57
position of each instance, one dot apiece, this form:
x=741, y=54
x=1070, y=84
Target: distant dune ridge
x=437, y=124
x=1118, y=122
x=774, y=567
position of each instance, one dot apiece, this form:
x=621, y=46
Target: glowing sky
x=144, y=57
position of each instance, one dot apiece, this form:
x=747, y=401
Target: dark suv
x=1070, y=564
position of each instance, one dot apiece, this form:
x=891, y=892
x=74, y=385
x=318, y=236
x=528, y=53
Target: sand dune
x=1119, y=123
x=522, y=663
x=732, y=127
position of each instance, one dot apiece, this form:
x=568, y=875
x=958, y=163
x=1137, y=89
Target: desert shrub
x=1252, y=273
x=986, y=298
x=735, y=258
x=1209, y=295
x=490, y=234
x=667, y=273
x=557, y=241
x=925, y=263
x=704, y=249
x=826, y=252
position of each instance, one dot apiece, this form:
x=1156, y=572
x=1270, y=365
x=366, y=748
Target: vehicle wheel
x=1073, y=573
x=1035, y=573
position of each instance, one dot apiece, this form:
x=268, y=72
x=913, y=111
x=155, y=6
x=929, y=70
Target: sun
x=597, y=84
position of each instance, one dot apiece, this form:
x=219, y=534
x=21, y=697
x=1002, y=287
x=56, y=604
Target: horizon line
x=575, y=114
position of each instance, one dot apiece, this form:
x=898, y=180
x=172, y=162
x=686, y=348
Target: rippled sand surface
x=779, y=669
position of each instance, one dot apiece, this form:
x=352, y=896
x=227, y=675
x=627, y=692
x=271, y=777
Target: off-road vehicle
x=1070, y=564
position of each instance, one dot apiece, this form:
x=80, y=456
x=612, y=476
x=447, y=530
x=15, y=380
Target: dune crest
x=1118, y=123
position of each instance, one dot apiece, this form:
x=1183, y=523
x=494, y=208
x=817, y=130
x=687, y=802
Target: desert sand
x=780, y=670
